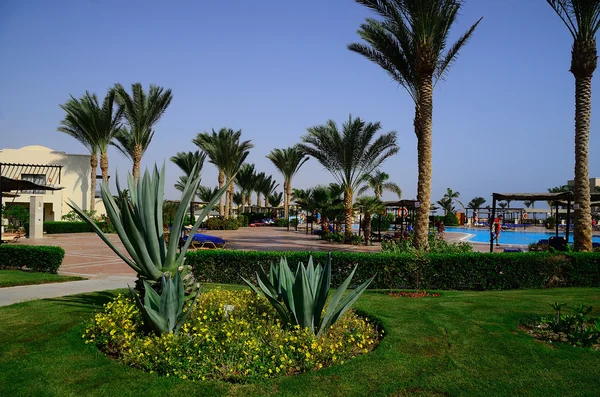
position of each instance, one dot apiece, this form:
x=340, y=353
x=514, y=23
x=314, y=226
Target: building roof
x=10, y=185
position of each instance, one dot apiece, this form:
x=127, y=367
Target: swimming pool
x=517, y=237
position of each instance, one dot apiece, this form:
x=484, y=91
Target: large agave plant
x=300, y=297
x=138, y=220
x=163, y=313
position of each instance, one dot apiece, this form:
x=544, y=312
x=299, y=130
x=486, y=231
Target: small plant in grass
x=300, y=297
x=412, y=294
x=577, y=328
x=436, y=245
x=235, y=336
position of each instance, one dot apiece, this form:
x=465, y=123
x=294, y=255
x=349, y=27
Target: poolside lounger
x=200, y=240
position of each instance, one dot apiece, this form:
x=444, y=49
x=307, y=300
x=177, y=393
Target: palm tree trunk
x=582, y=233
x=423, y=129
x=221, y=184
x=289, y=200
x=243, y=209
x=137, y=159
x=231, y=191
x=348, y=214
x=367, y=227
x=104, y=166
x=258, y=200
x=228, y=202
x=286, y=199
x=94, y=166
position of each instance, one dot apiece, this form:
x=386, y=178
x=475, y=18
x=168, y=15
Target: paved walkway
x=88, y=256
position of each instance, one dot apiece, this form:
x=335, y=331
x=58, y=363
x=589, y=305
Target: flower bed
x=231, y=335
x=413, y=294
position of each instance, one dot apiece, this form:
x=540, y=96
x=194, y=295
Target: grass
x=462, y=343
x=12, y=278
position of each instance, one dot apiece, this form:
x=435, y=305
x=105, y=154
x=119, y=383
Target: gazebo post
x=491, y=222
x=556, y=219
x=568, y=216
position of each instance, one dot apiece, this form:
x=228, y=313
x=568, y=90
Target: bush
x=436, y=245
x=450, y=219
x=550, y=222
x=242, y=220
x=284, y=222
x=230, y=335
x=386, y=222
x=222, y=224
x=474, y=270
x=67, y=227
x=38, y=258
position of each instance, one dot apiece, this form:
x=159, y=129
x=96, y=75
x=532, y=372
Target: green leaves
x=163, y=313
x=301, y=297
x=138, y=221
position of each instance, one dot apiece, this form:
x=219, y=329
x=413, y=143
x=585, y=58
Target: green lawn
x=463, y=343
x=11, y=278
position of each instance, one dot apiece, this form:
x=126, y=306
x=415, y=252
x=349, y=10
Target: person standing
x=497, y=228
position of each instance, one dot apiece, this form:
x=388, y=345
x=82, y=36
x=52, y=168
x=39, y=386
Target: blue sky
x=503, y=119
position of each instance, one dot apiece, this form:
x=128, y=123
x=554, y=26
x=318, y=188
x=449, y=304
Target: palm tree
x=275, y=199
x=206, y=193
x=141, y=112
x=227, y=153
x=188, y=162
x=377, y=182
x=95, y=127
x=446, y=204
x=410, y=45
x=476, y=204
x=245, y=180
x=369, y=205
x=238, y=199
x=582, y=18
x=557, y=189
x=350, y=156
x=265, y=186
x=452, y=195
x=288, y=162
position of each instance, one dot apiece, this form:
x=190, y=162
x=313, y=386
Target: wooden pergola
x=558, y=199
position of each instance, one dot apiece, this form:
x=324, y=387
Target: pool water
x=510, y=237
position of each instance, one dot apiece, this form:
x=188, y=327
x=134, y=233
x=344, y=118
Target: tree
x=557, y=189
x=446, y=204
x=265, y=186
x=206, y=193
x=410, y=43
x=288, y=162
x=377, y=182
x=350, y=156
x=369, y=206
x=245, y=180
x=227, y=153
x=95, y=127
x=476, y=204
x=582, y=18
x=275, y=199
x=141, y=113
x=188, y=162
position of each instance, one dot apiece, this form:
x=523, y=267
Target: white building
x=45, y=166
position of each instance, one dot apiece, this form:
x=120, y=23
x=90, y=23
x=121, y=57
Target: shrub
x=473, y=270
x=436, y=245
x=386, y=222
x=450, y=219
x=230, y=335
x=242, y=220
x=284, y=222
x=550, y=222
x=222, y=224
x=39, y=258
x=67, y=227
x=72, y=216
x=17, y=216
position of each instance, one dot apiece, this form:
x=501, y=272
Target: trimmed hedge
x=473, y=271
x=67, y=227
x=39, y=258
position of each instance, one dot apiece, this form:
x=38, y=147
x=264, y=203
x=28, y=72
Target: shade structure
x=16, y=185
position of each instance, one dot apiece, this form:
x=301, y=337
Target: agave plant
x=300, y=298
x=163, y=313
x=138, y=222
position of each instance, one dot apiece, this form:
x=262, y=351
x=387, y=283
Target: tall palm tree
x=350, y=155
x=141, y=111
x=245, y=180
x=446, y=205
x=410, y=44
x=475, y=204
x=288, y=162
x=377, y=182
x=582, y=18
x=369, y=205
x=452, y=195
x=206, y=193
x=188, y=162
x=265, y=186
x=226, y=152
x=95, y=127
x=275, y=199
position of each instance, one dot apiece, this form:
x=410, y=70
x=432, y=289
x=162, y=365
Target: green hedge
x=67, y=227
x=39, y=258
x=474, y=271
